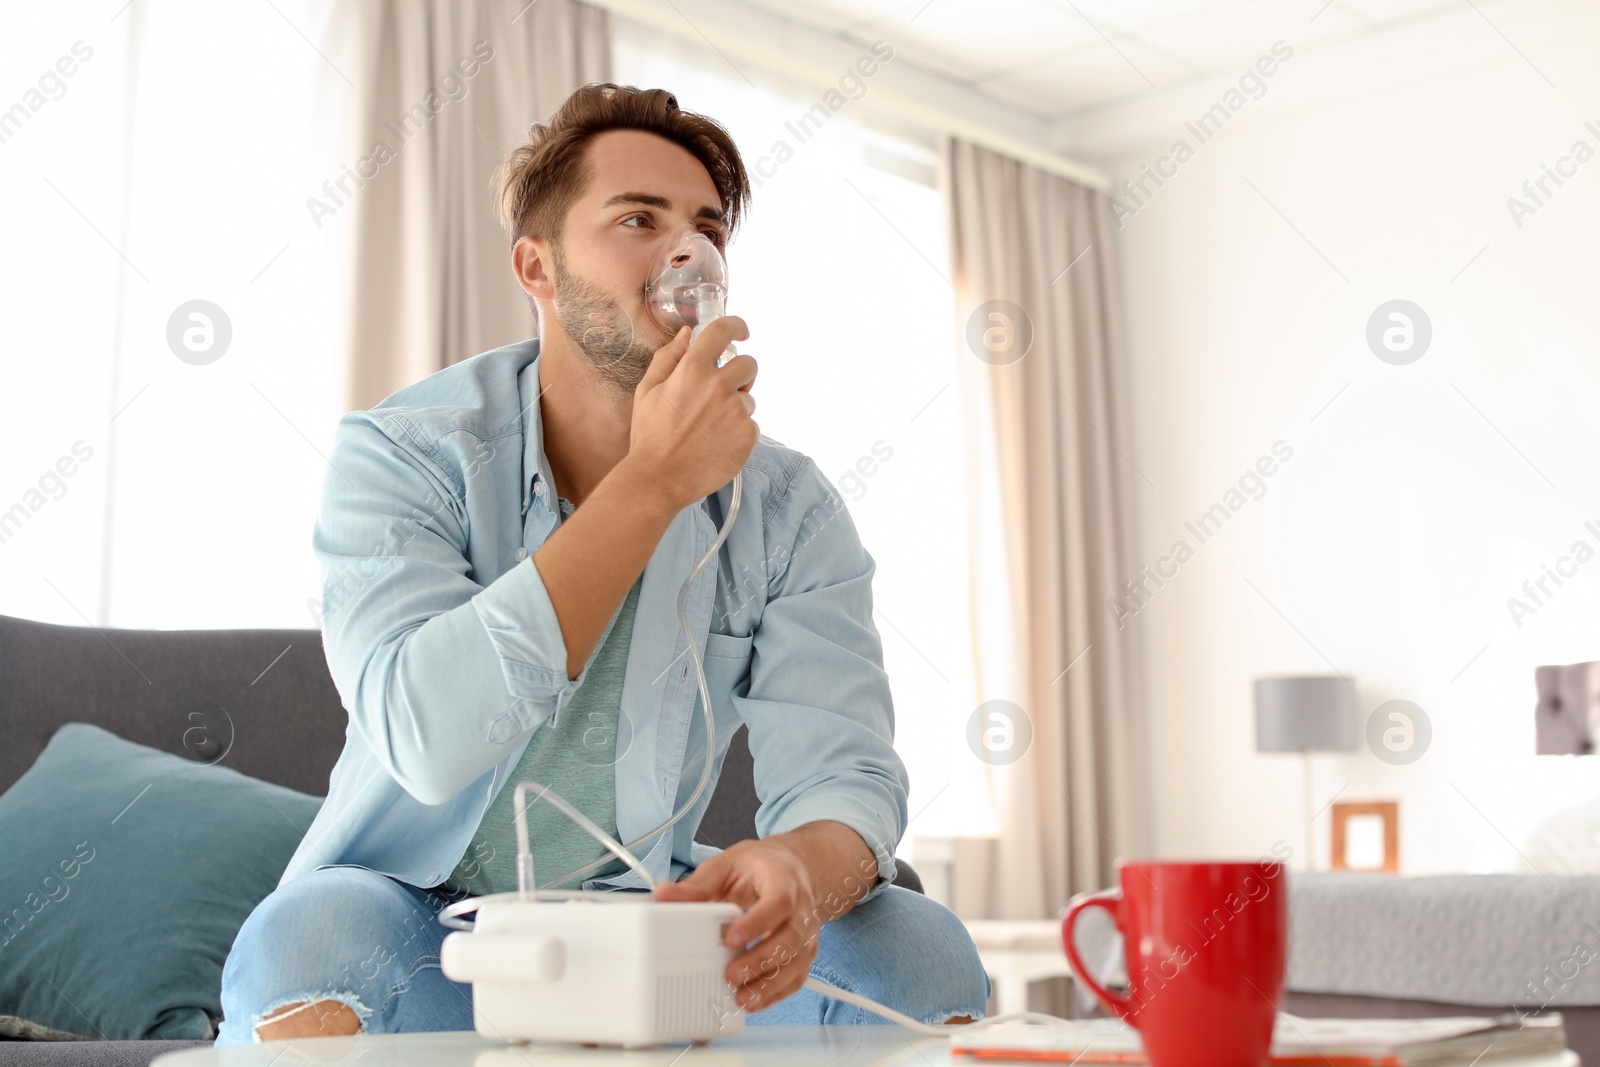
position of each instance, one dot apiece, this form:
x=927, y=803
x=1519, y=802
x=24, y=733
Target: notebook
x=1296, y=1042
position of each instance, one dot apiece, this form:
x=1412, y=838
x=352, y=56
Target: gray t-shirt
x=577, y=759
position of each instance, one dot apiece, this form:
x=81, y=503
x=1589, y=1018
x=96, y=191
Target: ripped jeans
x=372, y=942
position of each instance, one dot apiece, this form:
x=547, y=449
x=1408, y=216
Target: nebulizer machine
x=611, y=967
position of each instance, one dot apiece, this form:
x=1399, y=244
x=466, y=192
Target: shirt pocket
x=726, y=646
x=726, y=663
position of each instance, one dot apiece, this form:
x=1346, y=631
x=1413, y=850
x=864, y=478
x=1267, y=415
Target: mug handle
x=1109, y=900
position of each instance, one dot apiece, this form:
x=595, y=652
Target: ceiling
x=1066, y=61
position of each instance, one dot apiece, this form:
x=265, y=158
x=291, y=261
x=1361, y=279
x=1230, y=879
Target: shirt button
x=538, y=488
x=432, y=875
x=522, y=554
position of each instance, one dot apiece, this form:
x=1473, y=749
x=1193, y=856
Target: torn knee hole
x=304, y=1018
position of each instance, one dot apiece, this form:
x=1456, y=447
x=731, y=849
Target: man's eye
x=713, y=234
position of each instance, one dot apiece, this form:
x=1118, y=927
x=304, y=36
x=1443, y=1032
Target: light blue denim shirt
x=445, y=648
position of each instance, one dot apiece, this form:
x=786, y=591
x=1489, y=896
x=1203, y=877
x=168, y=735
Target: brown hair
x=541, y=180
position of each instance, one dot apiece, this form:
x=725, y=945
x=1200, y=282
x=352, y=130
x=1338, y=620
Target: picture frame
x=1366, y=836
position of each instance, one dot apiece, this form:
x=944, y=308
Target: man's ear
x=531, y=259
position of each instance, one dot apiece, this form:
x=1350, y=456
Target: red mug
x=1206, y=945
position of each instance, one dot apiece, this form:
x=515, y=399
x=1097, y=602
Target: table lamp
x=1568, y=707
x=1306, y=714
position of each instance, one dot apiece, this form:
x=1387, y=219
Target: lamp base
x=1311, y=830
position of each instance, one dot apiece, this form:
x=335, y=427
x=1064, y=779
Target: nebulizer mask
x=688, y=283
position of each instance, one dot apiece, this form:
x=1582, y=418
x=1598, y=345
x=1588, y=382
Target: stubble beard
x=600, y=330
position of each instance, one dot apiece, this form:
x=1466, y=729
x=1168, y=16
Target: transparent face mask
x=688, y=283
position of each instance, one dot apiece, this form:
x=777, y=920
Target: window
x=840, y=270
x=174, y=164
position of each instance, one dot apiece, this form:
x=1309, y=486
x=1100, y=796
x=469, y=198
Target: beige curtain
x=448, y=87
x=1035, y=274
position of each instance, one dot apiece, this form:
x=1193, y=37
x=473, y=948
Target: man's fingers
x=714, y=340
x=773, y=969
x=665, y=359
x=763, y=917
x=681, y=891
x=705, y=882
x=715, y=879
x=740, y=370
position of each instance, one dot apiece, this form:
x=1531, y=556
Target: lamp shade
x=1568, y=708
x=1310, y=712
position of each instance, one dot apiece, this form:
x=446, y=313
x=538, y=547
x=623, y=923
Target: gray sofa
x=289, y=732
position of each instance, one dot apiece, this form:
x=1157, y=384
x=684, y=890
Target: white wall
x=1418, y=498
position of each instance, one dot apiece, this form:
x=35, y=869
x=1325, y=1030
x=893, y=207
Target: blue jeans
x=372, y=942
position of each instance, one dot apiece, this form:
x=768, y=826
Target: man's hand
x=691, y=419
x=779, y=880
x=691, y=432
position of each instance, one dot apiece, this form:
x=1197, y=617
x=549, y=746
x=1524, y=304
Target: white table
x=756, y=1046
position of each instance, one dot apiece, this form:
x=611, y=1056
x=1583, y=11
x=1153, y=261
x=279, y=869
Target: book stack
x=1501, y=1041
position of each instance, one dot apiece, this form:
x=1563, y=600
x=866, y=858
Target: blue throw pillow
x=125, y=874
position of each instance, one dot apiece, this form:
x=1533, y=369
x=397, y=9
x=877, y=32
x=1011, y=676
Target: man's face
x=641, y=188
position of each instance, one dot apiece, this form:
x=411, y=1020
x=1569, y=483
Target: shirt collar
x=535, y=467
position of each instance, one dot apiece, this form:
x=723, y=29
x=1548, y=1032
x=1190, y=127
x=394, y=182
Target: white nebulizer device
x=614, y=967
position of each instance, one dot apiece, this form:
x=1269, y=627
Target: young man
x=503, y=546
